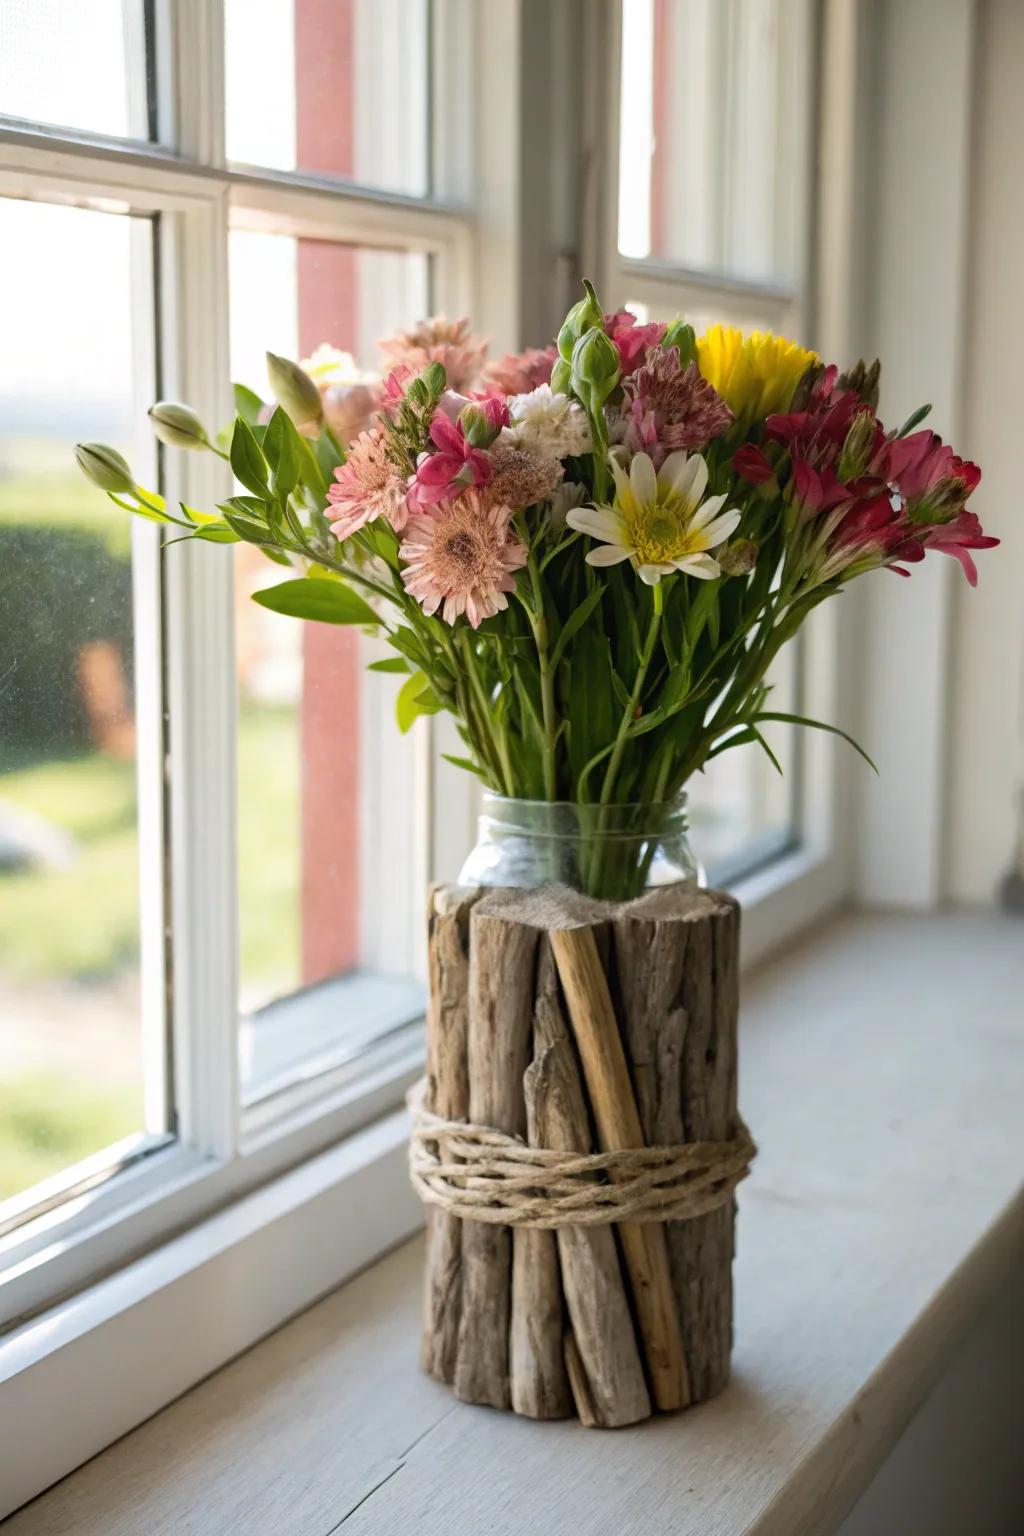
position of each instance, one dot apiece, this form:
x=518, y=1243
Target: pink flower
x=448, y=342
x=456, y=465
x=349, y=409
x=392, y=391
x=460, y=557
x=632, y=340
x=519, y=373
x=752, y=464
x=669, y=407
x=964, y=533
x=368, y=485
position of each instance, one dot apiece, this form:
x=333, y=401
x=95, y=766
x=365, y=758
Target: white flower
x=328, y=366
x=548, y=423
x=658, y=520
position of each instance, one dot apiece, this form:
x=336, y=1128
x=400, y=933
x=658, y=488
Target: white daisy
x=658, y=520
x=548, y=423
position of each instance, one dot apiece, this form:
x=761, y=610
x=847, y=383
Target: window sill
x=883, y=1213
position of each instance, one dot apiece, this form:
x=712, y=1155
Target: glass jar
x=613, y=852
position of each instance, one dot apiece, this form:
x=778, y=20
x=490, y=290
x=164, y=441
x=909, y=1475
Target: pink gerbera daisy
x=461, y=555
x=368, y=485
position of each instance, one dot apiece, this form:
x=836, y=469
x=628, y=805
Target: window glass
x=335, y=87
x=77, y=344
x=713, y=98
x=330, y=824
x=77, y=63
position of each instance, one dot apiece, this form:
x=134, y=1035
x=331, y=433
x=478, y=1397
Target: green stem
x=629, y=713
x=499, y=748
x=539, y=624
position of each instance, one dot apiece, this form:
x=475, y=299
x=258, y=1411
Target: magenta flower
x=456, y=465
x=632, y=340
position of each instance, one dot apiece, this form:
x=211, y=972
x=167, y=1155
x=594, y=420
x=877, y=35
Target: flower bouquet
x=589, y=555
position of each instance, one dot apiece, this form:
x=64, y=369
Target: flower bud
x=561, y=377
x=294, y=390
x=738, y=558
x=105, y=467
x=595, y=367
x=178, y=425
x=585, y=314
x=684, y=338
x=482, y=420
x=858, y=446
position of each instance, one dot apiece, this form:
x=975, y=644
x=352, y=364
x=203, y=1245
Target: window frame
x=116, y=1205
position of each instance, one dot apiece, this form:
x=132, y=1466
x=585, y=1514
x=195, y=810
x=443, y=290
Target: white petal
x=620, y=476
x=706, y=511
x=652, y=574
x=599, y=522
x=643, y=479
x=699, y=483
x=676, y=474
x=717, y=532
x=699, y=565
x=608, y=554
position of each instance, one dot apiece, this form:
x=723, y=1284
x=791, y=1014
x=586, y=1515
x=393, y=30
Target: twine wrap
x=481, y=1174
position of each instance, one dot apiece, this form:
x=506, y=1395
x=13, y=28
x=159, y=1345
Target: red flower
x=668, y=407
x=456, y=465
x=752, y=465
x=964, y=533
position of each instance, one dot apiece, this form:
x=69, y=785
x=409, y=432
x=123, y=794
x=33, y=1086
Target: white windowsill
x=885, y=1210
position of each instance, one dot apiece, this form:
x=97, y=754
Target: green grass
x=49, y=1121
x=46, y=490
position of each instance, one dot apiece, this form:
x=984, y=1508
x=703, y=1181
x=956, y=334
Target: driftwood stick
x=601, y=1354
x=677, y=969
x=618, y=1126
x=447, y=1094
x=501, y=969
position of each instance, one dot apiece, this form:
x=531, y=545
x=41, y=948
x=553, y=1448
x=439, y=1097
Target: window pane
x=76, y=63
x=77, y=349
x=336, y=87
x=712, y=154
x=329, y=825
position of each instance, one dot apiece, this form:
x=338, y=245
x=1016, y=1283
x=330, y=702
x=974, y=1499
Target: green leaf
x=465, y=763
x=217, y=533
x=914, y=420
x=138, y=510
x=247, y=461
x=575, y=622
x=389, y=664
x=282, y=447
x=816, y=725
x=415, y=698
x=309, y=597
x=248, y=404
x=768, y=751
x=327, y=456
x=252, y=507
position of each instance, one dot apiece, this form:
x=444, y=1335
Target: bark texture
x=581, y=1025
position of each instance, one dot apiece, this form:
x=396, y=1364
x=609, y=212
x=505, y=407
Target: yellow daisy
x=658, y=519
x=756, y=374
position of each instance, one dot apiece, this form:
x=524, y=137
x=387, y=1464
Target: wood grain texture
x=676, y=982
x=617, y=1122
x=501, y=969
x=447, y=1094
x=601, y=1353
x=883, y=1216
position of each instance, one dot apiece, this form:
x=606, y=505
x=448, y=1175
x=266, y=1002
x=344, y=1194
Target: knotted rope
x=481, y=1174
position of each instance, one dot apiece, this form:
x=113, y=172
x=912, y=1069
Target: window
x=712, y=221
x=213, y=844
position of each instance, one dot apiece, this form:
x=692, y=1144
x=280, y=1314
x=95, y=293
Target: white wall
x=986, y=755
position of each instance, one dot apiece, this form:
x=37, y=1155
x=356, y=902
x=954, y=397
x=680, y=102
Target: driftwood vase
x=578, y=1143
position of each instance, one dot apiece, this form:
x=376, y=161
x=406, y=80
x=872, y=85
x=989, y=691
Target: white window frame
x=314, y=1179
x=94, y=1221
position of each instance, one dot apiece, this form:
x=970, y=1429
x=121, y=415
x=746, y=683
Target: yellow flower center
x=660, y=534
